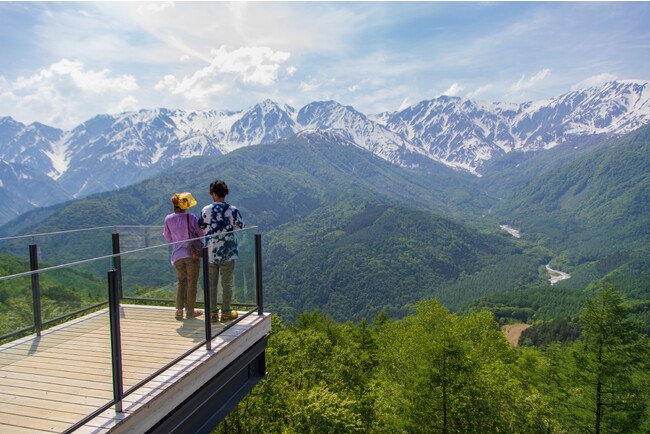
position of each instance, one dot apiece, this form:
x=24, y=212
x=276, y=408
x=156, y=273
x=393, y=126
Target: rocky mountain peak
x=458, y=132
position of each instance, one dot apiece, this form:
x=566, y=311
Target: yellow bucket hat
x=185, y=200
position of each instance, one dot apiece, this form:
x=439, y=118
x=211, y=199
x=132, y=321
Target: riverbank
x=556, y=275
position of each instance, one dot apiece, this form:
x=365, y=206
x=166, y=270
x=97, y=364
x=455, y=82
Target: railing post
x=206, y=298
x=117, y=263
x=258, y=274
x=116, y=339
x=36, y=289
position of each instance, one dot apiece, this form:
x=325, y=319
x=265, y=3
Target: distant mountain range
x=109, y=152
x=350, y=233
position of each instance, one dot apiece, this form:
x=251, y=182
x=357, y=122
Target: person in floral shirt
x=219, y=220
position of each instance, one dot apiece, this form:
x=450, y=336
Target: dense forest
x=435, y=371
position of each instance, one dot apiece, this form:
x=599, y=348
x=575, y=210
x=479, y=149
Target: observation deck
x=125, y=363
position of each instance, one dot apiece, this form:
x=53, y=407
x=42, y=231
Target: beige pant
x=227, y=270
x=187, y=271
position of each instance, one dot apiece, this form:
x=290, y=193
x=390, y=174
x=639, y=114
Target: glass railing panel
x=14, y=256
x=62, y=247
x=244, y=297
x=138, y=237
x=16, y=307
x=67, y=290
x=244, y=288
x=70, y=362
x=57, y=292
x=147, y=273
x=152, y=336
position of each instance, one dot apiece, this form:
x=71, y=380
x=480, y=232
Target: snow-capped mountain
x=356, y=127
x=263, y=123
x=457, y=132
x=107, y=152
x=466, y=134
x=34, y=145
x=23, y=188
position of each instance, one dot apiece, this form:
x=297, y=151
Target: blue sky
x=63, y=63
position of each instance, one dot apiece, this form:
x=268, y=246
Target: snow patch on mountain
x=114, y=150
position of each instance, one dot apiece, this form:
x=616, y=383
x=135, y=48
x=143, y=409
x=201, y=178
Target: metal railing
x=128, y=265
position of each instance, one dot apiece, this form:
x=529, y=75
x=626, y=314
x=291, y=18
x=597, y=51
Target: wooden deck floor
x=49, y=383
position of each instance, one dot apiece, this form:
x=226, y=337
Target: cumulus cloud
x=596, y=80
x=249, y=65
x=254, y=65
x=71, y=74
x=60, y=93
x=127, y=104
x=291, y=71
x=526, y=83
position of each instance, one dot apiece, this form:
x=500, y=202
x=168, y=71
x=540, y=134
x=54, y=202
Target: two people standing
x=217, y=222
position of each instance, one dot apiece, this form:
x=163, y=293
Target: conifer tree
x=611, y=392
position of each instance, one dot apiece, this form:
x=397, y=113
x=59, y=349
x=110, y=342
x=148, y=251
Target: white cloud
x=354, y=88
x=526, y=83
x=309, y=87
x=454, y=90
x=254, y=65
x=596, y=80
x=198, y=88
x=66, y=73
x=249, y=65
x=291, y=70
x=63, y=92
x=127, y=104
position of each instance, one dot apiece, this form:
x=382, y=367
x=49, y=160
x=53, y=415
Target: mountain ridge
x=112, y=151
x=371, y=235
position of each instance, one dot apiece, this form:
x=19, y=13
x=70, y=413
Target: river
x=556, y=275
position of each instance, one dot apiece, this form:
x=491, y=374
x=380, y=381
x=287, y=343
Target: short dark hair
x=220, y=188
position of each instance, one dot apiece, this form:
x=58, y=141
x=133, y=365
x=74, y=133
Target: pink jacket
x=176, y=230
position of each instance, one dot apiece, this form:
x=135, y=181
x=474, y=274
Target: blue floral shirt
x=219, y=221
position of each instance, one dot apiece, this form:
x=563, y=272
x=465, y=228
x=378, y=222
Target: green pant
x=227, y=270
x=187, y=272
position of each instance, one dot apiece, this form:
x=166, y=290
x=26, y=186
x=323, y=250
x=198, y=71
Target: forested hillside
x=369, y=235
x=595, y=204
x=435, y=371
x=592, y=210
x=349, y=233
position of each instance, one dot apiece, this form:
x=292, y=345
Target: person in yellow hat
x=180, y=226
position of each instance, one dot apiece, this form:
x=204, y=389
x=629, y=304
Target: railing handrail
x=113, y=255
x=17, y=237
